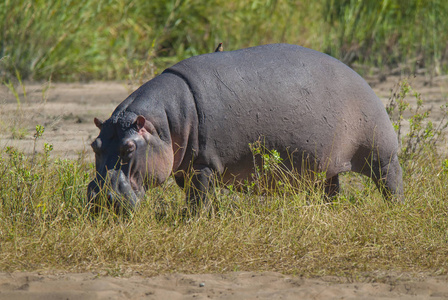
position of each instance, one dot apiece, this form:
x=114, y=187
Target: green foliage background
x=110, y=39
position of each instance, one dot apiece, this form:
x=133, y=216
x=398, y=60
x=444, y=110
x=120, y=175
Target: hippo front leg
x=201, y=184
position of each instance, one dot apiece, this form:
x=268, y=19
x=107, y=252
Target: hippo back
x=287, y=96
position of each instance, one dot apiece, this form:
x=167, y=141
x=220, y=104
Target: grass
x=44, y=223
x=70, y=40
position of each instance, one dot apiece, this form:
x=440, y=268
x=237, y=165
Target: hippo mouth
x=115, y=190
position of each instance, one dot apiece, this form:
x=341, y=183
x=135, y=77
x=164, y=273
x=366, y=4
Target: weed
x=422, y=133
x=13, y=90
x=18, y=132
x=39, y=132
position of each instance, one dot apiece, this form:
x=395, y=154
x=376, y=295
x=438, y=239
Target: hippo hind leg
x=392, y=180
x=387, y=177
x=331, y=187
x=202, y=184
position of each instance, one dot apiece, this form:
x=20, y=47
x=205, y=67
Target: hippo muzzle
x=129, y=157
x=114, y=190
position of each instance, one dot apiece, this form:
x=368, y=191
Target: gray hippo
x=197, y=119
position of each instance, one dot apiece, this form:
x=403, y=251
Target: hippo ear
x=98, y=123
x=142, y=124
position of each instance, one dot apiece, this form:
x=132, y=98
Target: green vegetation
x=82, y=40
x=44, y=222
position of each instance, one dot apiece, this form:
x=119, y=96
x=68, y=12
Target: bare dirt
x=237, y=285
x=67, y=111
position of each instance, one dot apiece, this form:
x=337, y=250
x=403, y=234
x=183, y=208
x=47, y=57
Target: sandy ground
x=67, y=110
x=241, y=285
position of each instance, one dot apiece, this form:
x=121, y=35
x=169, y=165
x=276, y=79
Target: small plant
x=10, y=85
x=39, y=132
x=422, y=133
x=272, y=175
x=445, y=166
x=18, y=132
x=268, y=177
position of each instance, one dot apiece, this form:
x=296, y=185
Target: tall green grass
x=404, y=34
x=73, y=40
x=45, y=224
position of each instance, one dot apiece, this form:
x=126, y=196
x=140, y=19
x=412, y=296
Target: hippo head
x=129, y=157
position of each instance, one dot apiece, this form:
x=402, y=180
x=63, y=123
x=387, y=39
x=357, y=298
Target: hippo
x=197, y=119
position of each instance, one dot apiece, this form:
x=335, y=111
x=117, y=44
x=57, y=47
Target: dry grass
x=44, y=224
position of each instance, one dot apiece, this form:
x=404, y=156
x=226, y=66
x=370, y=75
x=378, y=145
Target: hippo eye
x=126, y=150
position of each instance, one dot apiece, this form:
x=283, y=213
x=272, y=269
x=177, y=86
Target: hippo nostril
x=131, y=147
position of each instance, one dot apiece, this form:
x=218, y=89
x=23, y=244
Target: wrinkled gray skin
x=201, y=114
